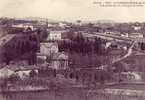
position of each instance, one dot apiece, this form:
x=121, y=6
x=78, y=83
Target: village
x=39, y=53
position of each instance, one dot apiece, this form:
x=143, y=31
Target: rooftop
x=6, y=39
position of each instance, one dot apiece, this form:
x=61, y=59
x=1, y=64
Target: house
x=60, y=61
x=25, y=26
x=55, y=35
x=48, y=48
x=136, y=27
x=136, y=35
x=113, y=33
x=124, y=34
x=62, y=25
x=5, y=72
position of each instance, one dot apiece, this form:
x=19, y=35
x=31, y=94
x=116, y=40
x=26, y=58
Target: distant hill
x=106, y=21
x=37, y=19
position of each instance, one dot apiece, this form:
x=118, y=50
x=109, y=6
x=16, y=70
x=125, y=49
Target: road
x=129, y=52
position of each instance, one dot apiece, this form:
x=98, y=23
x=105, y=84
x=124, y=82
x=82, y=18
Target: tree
x=119, y=67
x=97, y=45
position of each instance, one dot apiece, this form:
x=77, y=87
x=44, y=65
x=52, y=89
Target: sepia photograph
x=72, y=49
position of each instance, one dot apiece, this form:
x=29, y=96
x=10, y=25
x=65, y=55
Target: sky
x=70, y=10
